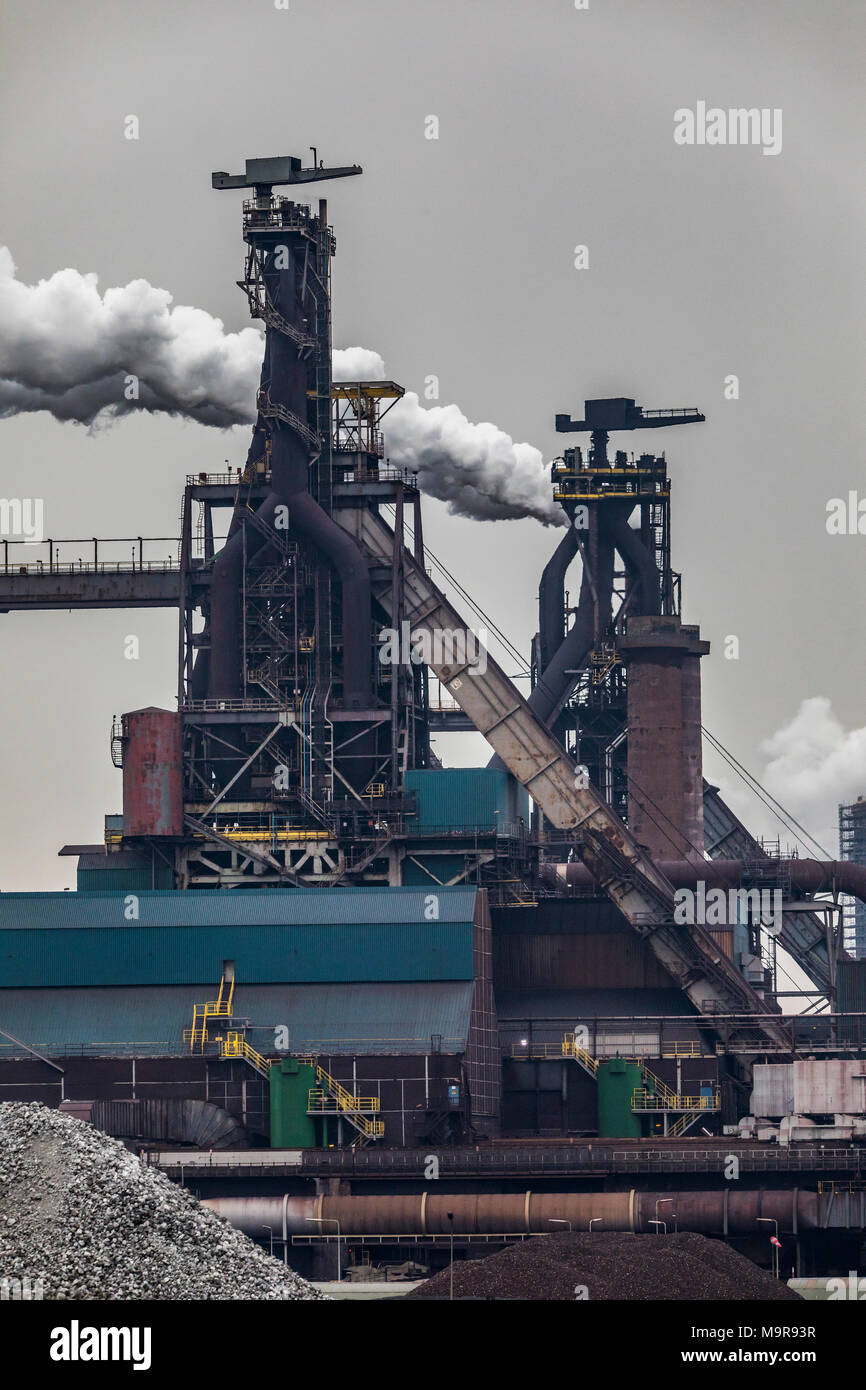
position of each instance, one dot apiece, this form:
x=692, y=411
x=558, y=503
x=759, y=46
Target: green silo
x=617, y=1081
x=291, y=1082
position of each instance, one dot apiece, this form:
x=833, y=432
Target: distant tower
x=852, y=845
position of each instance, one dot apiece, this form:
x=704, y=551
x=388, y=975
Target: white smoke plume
x=69, y=350
x=814, y=765
x=478, y=470
x=90, y=358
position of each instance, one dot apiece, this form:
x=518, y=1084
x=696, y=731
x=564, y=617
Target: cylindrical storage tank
x=152, y=773
x=617, y=1082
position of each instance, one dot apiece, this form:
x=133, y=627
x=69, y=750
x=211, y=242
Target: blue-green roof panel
x=347, y=1019
x=222, y=908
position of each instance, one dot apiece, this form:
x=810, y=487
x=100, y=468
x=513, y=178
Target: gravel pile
x=80, y=1212
x=676, y=1266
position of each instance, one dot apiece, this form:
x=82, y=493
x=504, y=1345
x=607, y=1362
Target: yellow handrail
x=647, y=1100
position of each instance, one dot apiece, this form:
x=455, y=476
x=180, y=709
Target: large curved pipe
x=551, y=596
x=593, y=615
x=639, y=561
x=557, y=679
x=716, y=1212
x=591, y=620
x=807, y=875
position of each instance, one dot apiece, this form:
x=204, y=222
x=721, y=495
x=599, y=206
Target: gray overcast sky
x=455, y=257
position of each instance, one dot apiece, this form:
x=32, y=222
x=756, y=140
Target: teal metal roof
x=237, y=907
x=348, y=1019
x=57, y=939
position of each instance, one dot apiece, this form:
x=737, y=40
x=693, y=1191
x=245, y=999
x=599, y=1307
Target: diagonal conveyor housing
x=542, y=765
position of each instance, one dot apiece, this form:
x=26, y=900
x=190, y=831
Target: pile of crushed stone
x=81, y=1214
x=609, y=1266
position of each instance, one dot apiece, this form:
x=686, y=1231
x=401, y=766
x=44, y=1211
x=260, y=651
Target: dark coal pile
x=680, y=1266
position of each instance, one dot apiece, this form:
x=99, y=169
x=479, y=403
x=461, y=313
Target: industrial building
x=307, y=958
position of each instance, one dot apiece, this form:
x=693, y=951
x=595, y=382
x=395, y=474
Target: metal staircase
x=275, y=410
x=570, y=1048
x=655, y=1096
x=329, y=1097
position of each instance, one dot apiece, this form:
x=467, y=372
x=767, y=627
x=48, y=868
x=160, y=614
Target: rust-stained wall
x=571, y=944
x=605, y=960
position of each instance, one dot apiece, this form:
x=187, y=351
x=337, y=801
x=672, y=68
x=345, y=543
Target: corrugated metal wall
x=578, y=961
x=130, y=954
x=465, y=798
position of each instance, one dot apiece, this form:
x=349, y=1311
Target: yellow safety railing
x=657, y=1087
x=328, y=1098
x=221, y=1007
x=346, y=1099
x=331, y=1097
x=236, y=1045
x=681, y=1124
x=571, y=1048
x=321, y=1099
x=568, y=1048
x=648, y=1100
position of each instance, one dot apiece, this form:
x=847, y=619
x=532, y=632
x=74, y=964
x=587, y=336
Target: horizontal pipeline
x=722, y=1212
x=807, y=875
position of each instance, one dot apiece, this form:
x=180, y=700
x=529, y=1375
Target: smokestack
x=665, y=801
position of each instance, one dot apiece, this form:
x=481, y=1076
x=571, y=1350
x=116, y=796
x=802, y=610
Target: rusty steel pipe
x=718, y=1212
x=807, y=875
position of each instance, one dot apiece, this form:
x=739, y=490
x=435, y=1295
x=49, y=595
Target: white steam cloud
x=69, y=350
x=90, y=358
x=477, y=469
x=814, y=765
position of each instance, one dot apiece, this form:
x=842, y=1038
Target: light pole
x=450, y=1216
x=330, y=1220
x=558, y=1221
x=768, y=1220
x=594, y=1220
x=660, y=1223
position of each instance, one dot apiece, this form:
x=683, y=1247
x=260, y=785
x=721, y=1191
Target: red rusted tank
x=152, y=773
